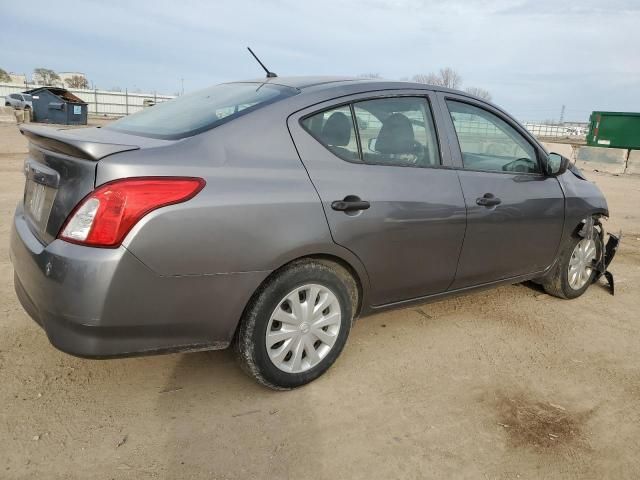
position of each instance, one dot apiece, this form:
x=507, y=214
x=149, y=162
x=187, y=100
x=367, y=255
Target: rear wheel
x=7, y=104
x=574, y=271
x=297, y=324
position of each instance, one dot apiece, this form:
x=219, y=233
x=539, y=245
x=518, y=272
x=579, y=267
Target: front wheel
x=297, y=324
x=575, y=270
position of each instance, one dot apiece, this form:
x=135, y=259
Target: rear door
x=515, y=213
x=387, y=188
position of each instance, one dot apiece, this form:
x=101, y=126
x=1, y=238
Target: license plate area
x=34, y=196
x=39, y=194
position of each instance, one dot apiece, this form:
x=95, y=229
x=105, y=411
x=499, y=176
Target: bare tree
x=45, y=76
x=77, y=81
x=450, y=78
x=479, y=92
x=446, y=77
x=369, y=75
x=427, y=78
x=4, y=76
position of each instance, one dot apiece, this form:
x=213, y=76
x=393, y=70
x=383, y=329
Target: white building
x=18, y=78
x=64, y=76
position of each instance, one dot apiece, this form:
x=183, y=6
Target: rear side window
x=335, y=130
x=199, y=111
x=489, y=143
x=395, y=131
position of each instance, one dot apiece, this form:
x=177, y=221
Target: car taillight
x=106, y=215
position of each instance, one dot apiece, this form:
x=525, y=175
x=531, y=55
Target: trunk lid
x=61, y=170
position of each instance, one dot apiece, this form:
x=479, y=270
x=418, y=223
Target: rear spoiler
x=65, y=142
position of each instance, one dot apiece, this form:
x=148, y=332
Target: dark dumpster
x=58, y=105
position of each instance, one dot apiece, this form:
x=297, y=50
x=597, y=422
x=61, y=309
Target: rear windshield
x=199, y=111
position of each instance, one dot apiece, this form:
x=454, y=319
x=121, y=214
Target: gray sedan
x=270, y=214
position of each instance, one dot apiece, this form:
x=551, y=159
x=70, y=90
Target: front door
x=381, y=174
x=515, y=213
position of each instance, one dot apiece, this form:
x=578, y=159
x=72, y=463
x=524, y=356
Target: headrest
x=396, y=135
x=337, y=130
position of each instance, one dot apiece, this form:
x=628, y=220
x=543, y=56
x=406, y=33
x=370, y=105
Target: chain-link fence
x=118, y=104
x=577, y=132
x=100, y=102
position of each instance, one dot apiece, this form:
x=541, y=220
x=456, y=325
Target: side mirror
x=372, y=144
x=557, y=164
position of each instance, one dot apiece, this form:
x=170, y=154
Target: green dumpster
x=614, y=130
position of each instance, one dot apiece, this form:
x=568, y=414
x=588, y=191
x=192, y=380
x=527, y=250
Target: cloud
x=534, y=56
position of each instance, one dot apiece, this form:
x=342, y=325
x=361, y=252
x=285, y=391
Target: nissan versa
x=269, y=214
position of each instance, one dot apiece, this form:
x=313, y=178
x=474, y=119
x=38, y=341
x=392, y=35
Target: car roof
x=302, y=82
x=325, y=84
x=329, y=82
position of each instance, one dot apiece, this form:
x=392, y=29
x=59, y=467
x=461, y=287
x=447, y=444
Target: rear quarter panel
x=257, y=211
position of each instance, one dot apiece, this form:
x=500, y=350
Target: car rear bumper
x=95, y=302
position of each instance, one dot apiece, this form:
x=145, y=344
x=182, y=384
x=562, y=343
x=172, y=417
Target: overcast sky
x=532, y=55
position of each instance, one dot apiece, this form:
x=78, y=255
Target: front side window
x=335, y=130
x=489, y=143
x=396, y=131
x=199, y=111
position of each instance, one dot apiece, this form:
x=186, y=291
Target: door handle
x=351, y=203
x=488, y=200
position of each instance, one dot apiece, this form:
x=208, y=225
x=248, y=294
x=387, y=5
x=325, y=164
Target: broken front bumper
x=606, y=257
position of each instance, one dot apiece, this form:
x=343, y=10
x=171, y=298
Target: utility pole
x=562, y=114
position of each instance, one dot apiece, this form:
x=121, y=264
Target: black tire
x=250, y=345
x=557, y=282
x=7, y=104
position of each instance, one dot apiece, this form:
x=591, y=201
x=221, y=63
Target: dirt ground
x=504, y=384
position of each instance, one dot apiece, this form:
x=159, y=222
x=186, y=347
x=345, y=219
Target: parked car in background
x=270, y=214
x=21, y=101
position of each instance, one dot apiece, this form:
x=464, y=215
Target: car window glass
x=397, y=131
x=334, y=129
x=196, y=112
x=489, y=143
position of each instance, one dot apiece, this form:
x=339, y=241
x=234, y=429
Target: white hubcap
x=303, y=328
x=581, y=263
